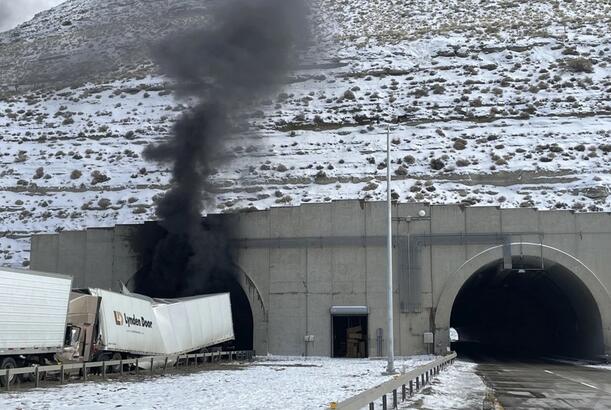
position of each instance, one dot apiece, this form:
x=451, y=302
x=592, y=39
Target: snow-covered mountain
x=90, y=40
x=487, y=102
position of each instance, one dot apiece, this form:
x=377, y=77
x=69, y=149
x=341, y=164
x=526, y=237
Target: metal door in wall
x=349, y=331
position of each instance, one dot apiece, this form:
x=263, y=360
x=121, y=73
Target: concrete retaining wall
x=300, y=268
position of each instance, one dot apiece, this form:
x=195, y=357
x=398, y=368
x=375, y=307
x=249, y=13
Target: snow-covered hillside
x=487, y=102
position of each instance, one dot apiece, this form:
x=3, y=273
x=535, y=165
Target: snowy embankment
x=601, y=366
x=272, y=383
x=457, y=387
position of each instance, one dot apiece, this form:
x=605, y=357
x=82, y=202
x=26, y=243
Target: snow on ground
x=457, y=387
x=271, y=383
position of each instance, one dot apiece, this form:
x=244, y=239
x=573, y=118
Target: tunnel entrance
x=180, y=280
x=223, y=282
x=536, y=308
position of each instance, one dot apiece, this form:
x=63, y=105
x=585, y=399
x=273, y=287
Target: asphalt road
x=541, y=384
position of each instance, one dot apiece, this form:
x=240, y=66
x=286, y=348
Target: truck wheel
x=117, y=367
x=7, y=363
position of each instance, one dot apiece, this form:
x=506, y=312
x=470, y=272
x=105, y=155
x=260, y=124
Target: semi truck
x=43, y=320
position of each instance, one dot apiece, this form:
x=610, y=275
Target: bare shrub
x=579, y=65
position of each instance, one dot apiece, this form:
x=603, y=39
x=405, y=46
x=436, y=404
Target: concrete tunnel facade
x=314, y=272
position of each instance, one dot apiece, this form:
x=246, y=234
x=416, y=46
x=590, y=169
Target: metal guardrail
x=405, y=384
x=134, y=365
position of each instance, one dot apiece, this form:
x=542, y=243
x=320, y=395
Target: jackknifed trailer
x=44, y=321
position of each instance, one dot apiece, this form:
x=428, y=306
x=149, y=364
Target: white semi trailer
x=33, y=312
x=43, y=320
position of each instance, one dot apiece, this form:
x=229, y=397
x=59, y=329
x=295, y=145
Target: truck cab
x=81, y=327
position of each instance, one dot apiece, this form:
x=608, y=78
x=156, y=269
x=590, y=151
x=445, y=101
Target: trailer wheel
x=7, y=363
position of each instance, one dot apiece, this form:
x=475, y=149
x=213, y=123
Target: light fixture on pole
x=390, y=368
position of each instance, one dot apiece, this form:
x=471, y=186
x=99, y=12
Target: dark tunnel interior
x=537, y=308
x=221, y=279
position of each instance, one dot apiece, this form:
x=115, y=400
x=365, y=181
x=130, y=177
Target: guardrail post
x=417, y=383
x=394, y=399
x=137, y=367
x=36, y=376
x=165, y=364
x=7, y=374
x=403, y=392
x=84, y=371
x=384, y=404
x=152, y=366
x=121, y=366
x=61, y=374
x=103, y=369
x=411, y=388
x=371, y=406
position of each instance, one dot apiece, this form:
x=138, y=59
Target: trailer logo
x=118, y=318
x=123, y=318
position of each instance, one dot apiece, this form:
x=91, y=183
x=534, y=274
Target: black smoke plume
x=246, y=50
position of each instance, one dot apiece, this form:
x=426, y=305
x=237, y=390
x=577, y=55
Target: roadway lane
x=538, y=384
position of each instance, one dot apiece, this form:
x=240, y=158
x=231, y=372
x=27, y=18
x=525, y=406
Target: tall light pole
x=390, y=368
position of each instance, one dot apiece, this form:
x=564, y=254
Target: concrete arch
x=455, y=282
x=252, y=293
x=258, y=309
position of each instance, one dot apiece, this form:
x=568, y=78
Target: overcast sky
x=14, y=12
